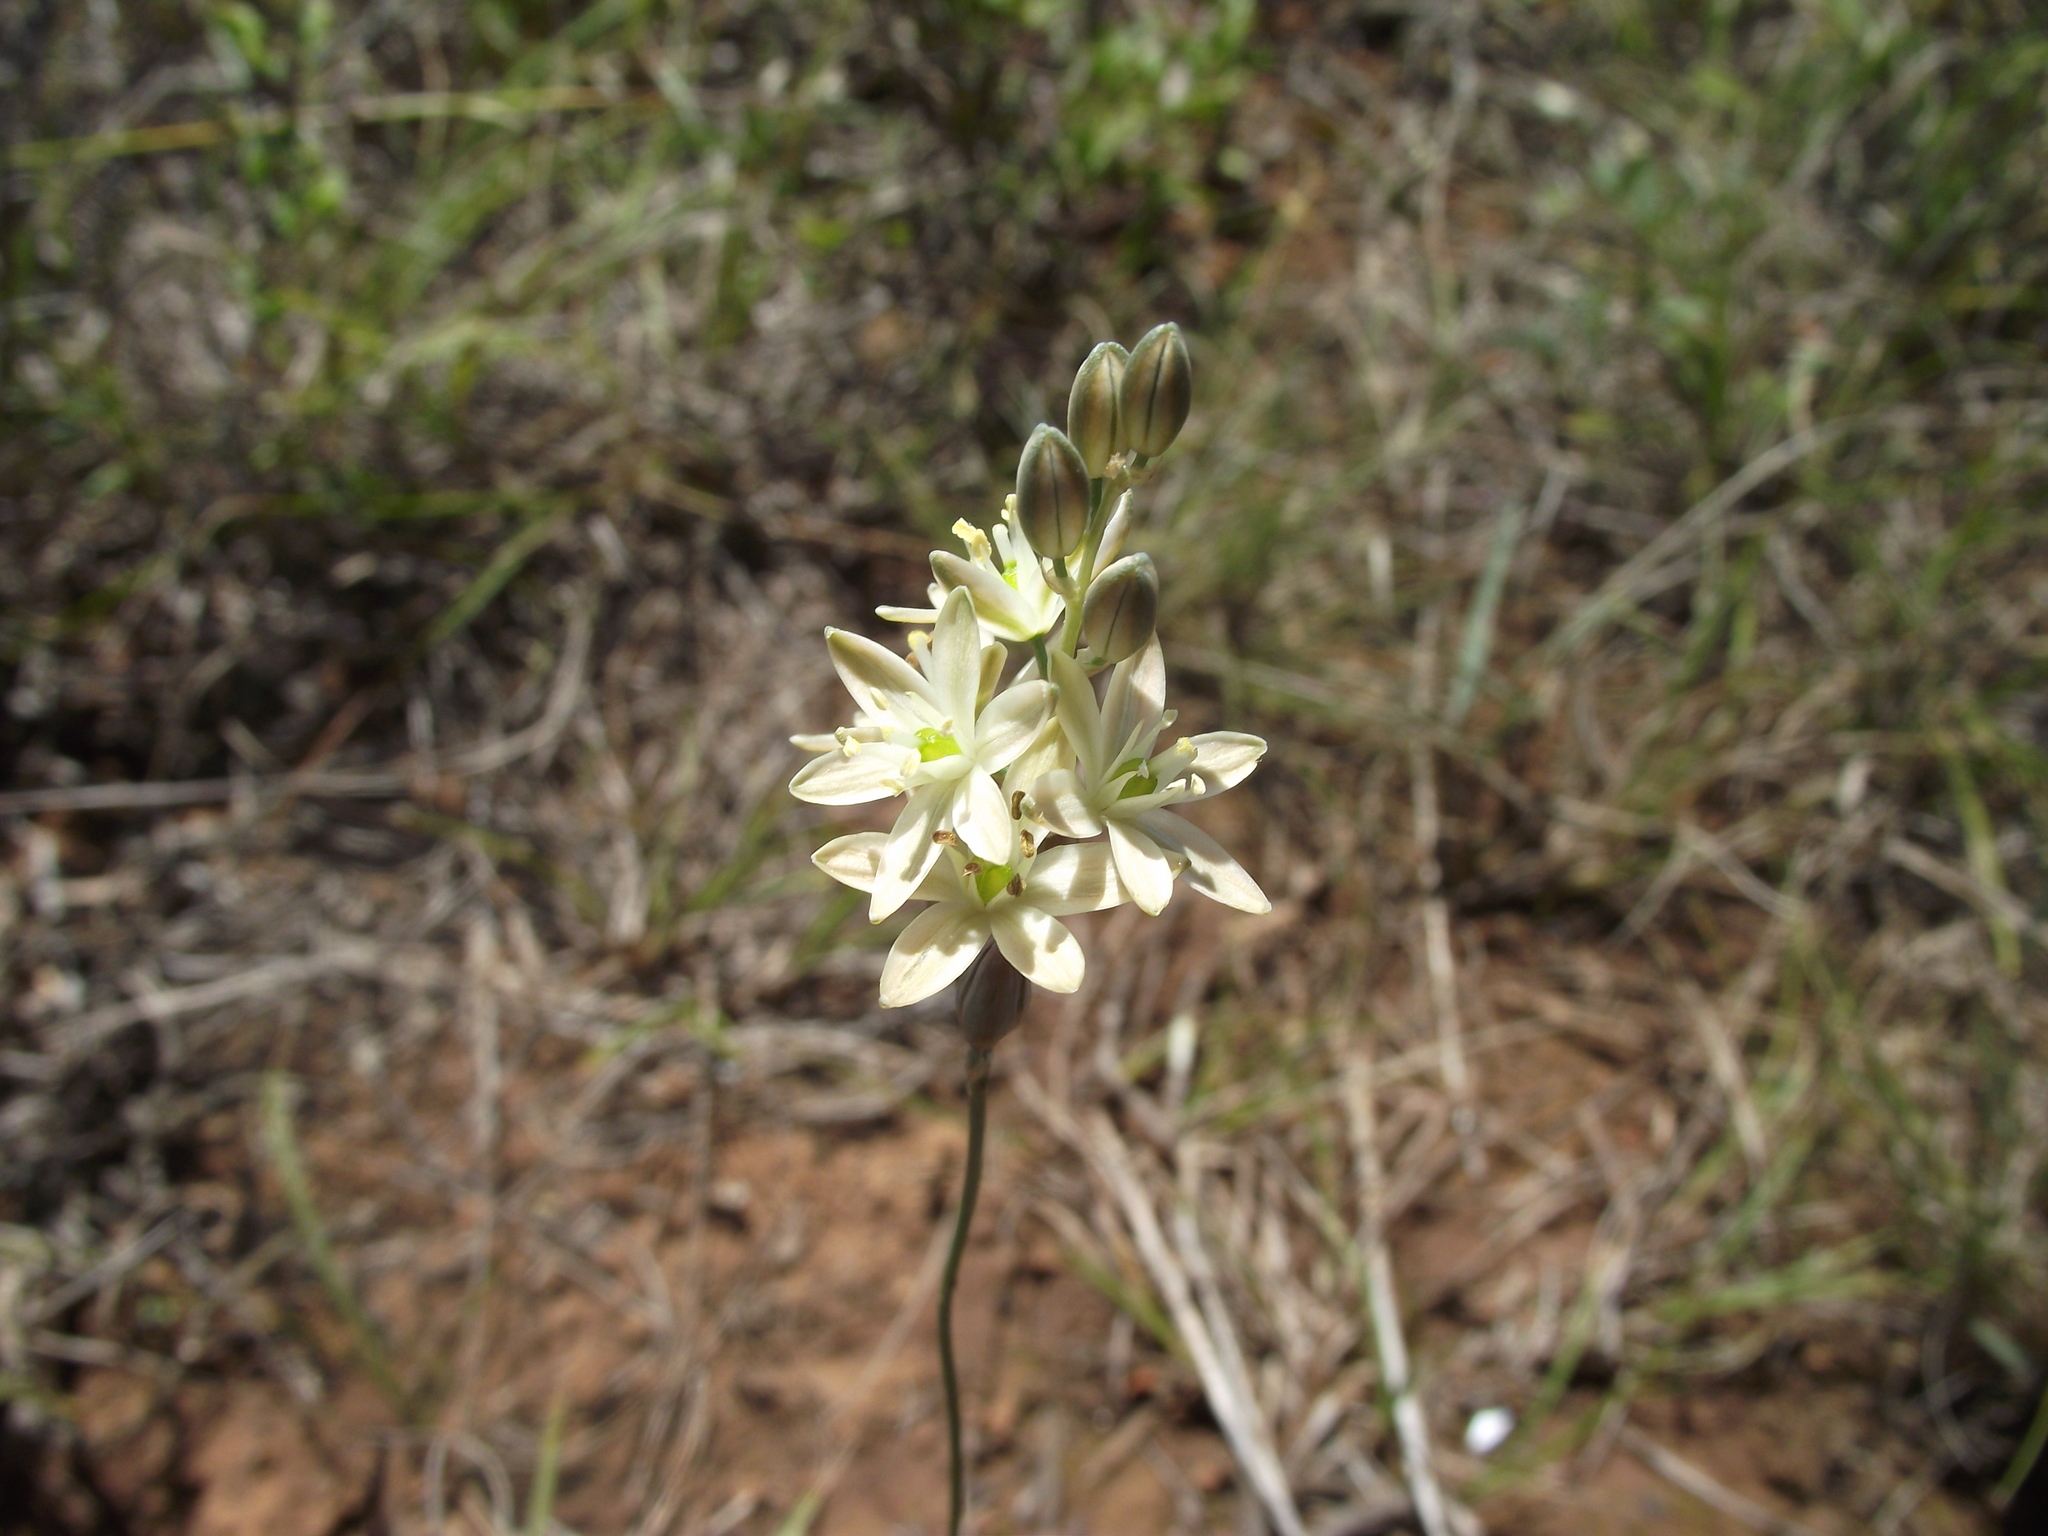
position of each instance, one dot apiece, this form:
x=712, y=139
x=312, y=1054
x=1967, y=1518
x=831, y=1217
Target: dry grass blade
x=1382, y=1304
x=1230, y=1395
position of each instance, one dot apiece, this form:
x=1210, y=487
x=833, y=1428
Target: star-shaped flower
x=1011, y=596
x=1120, y=786
x=1018, y=904
x=936, y=735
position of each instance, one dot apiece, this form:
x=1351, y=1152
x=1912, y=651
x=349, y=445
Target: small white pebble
x=1487, y=1429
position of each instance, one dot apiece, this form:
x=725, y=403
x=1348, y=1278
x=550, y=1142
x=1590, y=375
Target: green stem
x=2024, y=1459
x=1044, y=661
x=1100, y=493
x=970, y=1188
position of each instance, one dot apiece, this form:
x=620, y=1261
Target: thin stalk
x=2023, y=1460
x=1070, y=636
x=970, y=1188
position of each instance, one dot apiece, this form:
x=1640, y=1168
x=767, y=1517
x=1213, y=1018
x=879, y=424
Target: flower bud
x=1122, y=608
x=1052, y=493
x=992, y=996
x=1092, y=406
x=1158, y=387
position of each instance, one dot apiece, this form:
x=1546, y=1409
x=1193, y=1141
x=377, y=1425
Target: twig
x=1990, y=902
x=1477, y=641
x=1381, y=1301
x=1724, y=1060
x=110, y=1268
x=1436, y=916
x=1707, y=1490
x=687, y=1370
x=75, y=1036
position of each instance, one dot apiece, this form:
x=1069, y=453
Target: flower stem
x=970, y=1187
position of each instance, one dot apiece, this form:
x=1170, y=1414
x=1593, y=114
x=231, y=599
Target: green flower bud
x=992, y=996
x=1158, y=387
x=1122, y=608
x=1052, y=493
x=1092, y=406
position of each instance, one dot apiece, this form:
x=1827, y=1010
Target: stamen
x=1029, y=844
x=971, y=867
x=1016, y=805
x=1016, y=885
x=945, y=839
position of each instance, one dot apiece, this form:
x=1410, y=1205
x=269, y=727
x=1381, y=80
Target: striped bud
x=1052, y=493
x=1158, y=387
x=992, y=997
x=1122, y=608
x=1092, y=406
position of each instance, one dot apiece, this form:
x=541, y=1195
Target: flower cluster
x=1027, y=795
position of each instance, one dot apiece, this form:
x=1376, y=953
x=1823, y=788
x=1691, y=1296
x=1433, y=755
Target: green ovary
x=993, y=878
x=1142, y=780
x=932, y=745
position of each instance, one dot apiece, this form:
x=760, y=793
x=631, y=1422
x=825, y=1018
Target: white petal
x=939, y=944
x=1061, y=801
x=994, y=657
x=982, y=819
x=1114, y=532
x=1047, y=754
x=1224, y=758
x=1075, y=877
x=1009, y=723
x=873, y=773
x=1079, y=716
x=996, y=602
x=881, y=680
x=1135, y=699
x=910, y=851
x=944, y=882
x=1144, y=868
x=1038, y=944
x=852, y=860
x=954, y=664
x=1210, y=870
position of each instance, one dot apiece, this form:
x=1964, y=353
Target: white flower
x=1120, y=786
x=1019, y=905
x=1009, y=590
x=936, y=735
